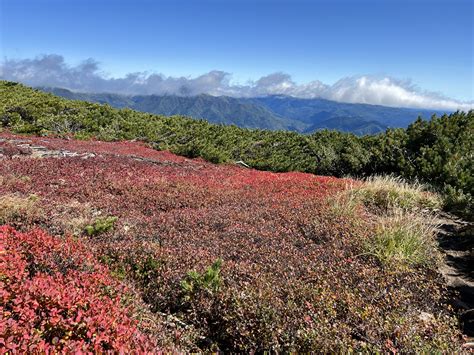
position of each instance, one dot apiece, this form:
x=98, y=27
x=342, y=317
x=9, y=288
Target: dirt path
x=456, y=240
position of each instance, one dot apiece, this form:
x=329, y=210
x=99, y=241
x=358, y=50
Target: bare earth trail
x=456, y=240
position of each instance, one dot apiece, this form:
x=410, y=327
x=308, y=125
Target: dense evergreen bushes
x=438, y=151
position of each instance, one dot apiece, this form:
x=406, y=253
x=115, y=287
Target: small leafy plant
x=66, y=309
x=100, y=226
x=209, y=280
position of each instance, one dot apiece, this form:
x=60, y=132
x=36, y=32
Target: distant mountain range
x=270, y=112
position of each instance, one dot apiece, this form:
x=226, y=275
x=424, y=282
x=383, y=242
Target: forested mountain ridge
x=317, y=110
x=221, y=110
x=271, y=112
x=355, y=125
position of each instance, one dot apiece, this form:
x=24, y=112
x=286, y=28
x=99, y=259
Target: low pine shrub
x=100, y=226
x=209, y=280
x=459, y=202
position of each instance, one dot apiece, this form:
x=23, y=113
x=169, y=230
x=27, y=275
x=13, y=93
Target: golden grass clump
x=385, y=194
x=15, y=208
x=404, y=239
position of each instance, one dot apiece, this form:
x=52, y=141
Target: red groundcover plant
x=295, y=276
x=54, y=296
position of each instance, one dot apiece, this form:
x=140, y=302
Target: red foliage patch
x=55, y=296
x=294, y=276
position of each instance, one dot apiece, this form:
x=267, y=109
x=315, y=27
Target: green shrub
x=459, y=202
x=100, y=226
x=209, y=280
x=145, y=270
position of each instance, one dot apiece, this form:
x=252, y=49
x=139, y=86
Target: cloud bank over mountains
x=52, y=70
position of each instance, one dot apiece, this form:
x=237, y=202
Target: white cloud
x=52, y=70
x=391, y=92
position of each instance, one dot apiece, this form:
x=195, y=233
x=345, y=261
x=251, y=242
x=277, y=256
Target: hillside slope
x=226, y=258
x=438, y=151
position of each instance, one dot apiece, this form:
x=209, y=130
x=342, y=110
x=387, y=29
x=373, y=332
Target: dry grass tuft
x=10, y=180
x=343, y=205
x=404, y=239
x=73, y=217
x=385, y=194
x=403, y=216
x=16, y=209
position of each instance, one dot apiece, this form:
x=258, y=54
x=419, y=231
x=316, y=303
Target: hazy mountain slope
x=313, y=111
x=355, y=125
x=272, y=112
x=223, y=109
x=114, y=100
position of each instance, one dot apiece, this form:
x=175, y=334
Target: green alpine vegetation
x=438, y=151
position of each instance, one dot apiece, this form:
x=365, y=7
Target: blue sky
x=427, y=42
